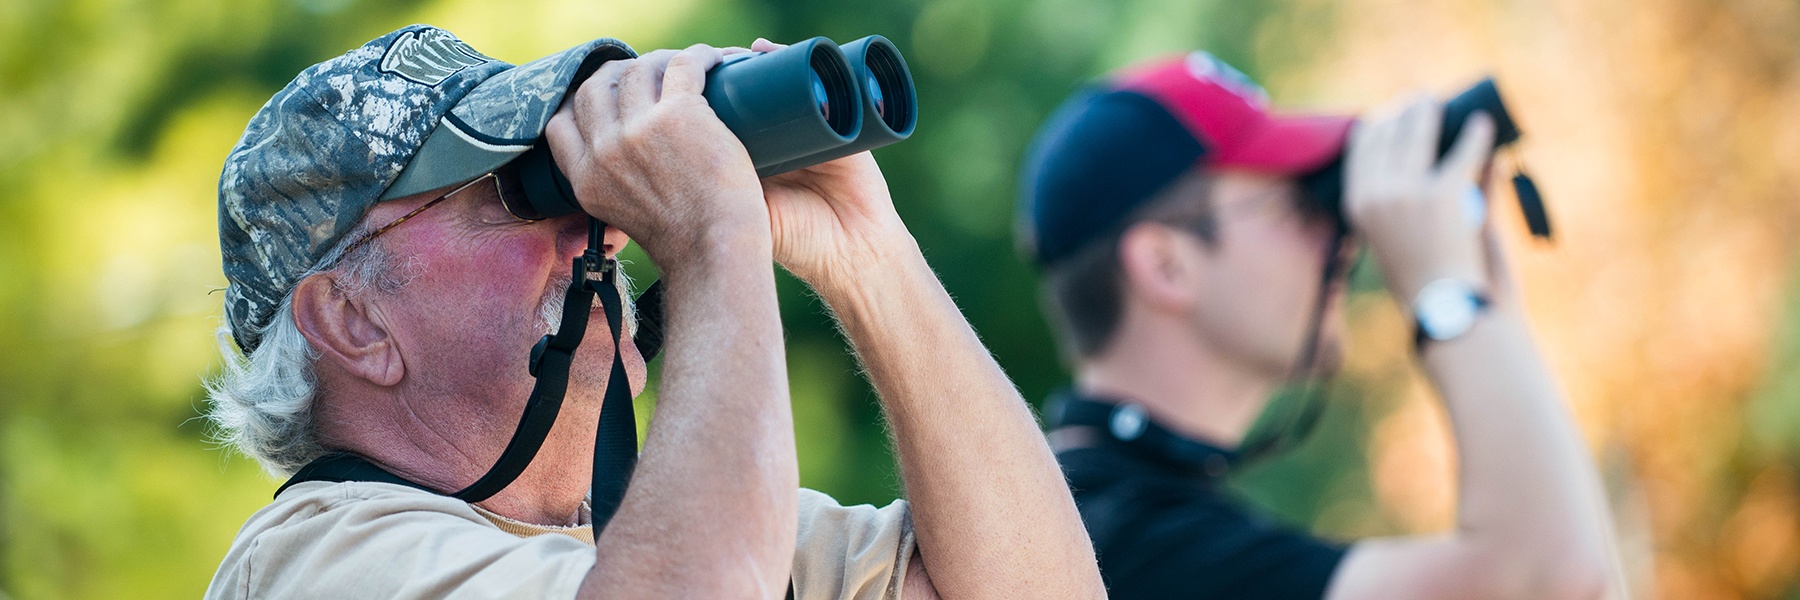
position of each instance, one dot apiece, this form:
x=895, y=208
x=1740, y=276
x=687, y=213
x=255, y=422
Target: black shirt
x=1163, y=523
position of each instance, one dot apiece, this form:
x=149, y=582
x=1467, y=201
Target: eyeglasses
x=503, y=178
x=1204, y=219
x=1285, y=201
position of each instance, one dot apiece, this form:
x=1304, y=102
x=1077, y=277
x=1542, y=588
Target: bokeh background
x=1665, y=133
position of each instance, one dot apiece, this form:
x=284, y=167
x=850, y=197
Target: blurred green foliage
x=115, y=116
x=118, y=114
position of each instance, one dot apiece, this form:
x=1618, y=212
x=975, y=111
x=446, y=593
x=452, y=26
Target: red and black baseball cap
x=1117, y=143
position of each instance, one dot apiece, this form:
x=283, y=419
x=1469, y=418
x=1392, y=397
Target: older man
x=383, y=297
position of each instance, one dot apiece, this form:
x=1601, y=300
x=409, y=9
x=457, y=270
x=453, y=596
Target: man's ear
x=1159, y=267
x=346, y=331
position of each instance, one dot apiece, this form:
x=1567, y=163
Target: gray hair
x=262, y=403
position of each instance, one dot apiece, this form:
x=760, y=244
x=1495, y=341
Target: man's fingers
x=1367, y=165
x=1418, y=147
x=567, y=146
x=686, y=72
x=1357, y=152
x=641, y=84
x=1470, y=152
x=595, y=105
x=764, y=45
x=562, y=135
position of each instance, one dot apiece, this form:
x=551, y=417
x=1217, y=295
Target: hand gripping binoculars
x=1326, y=186
x=793, y=108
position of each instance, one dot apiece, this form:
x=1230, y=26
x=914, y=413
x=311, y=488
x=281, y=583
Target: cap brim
x=1290, y=145
x=500, y=118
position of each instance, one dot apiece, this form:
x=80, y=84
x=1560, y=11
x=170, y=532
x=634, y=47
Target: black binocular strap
x=1312, y=405
x=550, y=362
x=341, y=466
x=615, y=441
x=615, y=444
x=1531, y=204
x=615, y=451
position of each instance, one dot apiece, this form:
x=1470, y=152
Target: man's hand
x=831, y=219
x=711, y=508
x=1531, y=513
x=646, y=154
x=991, y=510
x=1407, y=204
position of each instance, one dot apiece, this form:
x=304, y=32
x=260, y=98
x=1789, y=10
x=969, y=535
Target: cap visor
x=1291, y=145
x=499, y=119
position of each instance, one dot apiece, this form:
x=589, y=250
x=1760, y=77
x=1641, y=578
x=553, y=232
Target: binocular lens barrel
x=889, y=104
x=792, y=108
x=885, y=76
x=788, y=103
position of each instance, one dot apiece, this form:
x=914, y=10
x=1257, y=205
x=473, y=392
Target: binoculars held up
x=795, y=107
x=1326, y=186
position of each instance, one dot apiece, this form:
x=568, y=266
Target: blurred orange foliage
x=1666, y=135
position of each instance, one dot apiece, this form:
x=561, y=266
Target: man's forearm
x=715, y=484
x=1529, y=488
x=991, y=509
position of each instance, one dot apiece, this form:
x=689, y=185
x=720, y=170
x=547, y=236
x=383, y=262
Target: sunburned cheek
x=496, y=285
x=513, y=283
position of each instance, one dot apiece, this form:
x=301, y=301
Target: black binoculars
x=795, y=107
x=1326, y=185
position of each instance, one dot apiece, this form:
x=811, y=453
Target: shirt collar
x=1085, y=421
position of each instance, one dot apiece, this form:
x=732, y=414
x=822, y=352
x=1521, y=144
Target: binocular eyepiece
x=1326, y=186
x=796, y=107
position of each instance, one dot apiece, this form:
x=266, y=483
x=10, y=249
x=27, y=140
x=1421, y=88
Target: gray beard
x=550, y=307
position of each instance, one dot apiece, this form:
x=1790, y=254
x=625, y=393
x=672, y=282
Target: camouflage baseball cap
x=414, y=110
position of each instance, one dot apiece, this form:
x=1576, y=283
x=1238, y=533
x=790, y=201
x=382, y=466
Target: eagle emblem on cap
x=429, y=56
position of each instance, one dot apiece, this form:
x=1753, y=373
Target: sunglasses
x=506, y=186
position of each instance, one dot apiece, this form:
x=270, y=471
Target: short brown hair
x=1084, y=294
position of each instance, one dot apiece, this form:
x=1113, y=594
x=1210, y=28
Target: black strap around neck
x=1129, y=424
x=615, y=441
x=1264, y=443
x=343, y=466
x=615, y=448
x=550, y=361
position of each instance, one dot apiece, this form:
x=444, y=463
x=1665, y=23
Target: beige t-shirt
x=377, y=540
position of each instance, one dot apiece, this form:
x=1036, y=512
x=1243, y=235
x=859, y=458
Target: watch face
x=1446, y=308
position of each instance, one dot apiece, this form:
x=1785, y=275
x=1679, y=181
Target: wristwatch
x=1446, y=309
